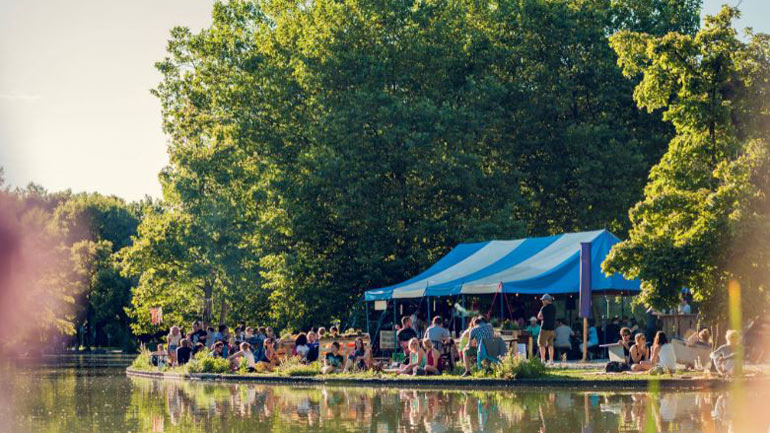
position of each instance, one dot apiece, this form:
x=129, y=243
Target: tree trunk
x=207, y=314
x=223, y=311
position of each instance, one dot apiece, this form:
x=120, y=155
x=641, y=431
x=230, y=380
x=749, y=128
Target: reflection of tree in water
x=192, y=406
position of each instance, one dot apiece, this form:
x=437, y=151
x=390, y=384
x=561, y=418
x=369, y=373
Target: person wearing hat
x=547, y=317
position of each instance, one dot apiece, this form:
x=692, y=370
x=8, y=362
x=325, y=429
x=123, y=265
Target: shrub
x=294, y=366
x=243, y=366
x=143, y=361
x=205, y=363
x=513, y=366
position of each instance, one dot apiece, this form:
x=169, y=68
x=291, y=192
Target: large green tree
x=93, y=228
x=37, y=282
x=705, y=217
x=321, y=148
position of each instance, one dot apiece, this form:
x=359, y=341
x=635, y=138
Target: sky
x=75, y=77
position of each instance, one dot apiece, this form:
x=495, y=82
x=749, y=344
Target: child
x=333, y=360
x=432, y=358
x=416, y=358
x=358, y=357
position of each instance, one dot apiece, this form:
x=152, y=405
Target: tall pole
x=366, y=304
x=585, y=292
x=502, y=312
x=395, y=324
x=428, y=297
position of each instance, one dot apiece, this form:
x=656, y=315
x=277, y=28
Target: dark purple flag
x=585, y=279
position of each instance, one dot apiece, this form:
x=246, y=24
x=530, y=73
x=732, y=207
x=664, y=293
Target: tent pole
x=366, y=304
x=428, y=298
x=464, y=310
x=395, y=325
x=502, y=313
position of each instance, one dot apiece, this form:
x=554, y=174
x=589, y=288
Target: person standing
x=547, y=317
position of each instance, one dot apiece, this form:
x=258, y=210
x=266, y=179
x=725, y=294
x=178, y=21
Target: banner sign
x=585, y=279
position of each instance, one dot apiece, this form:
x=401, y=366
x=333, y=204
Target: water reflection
x=191, y=405
x=69, y=400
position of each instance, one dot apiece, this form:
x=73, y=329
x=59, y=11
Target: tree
x=705, y=215
x=320, y=149
x=37, y=285
x=93, y=228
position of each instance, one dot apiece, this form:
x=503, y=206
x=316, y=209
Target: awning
x=528, y=266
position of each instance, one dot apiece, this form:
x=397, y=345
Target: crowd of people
x=433, y=350
x=255, y=345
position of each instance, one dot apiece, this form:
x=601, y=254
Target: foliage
x=243, y=366
x=294, y=366
x=93, y=228
x=143, y=361
x=328, y=148
x=510, y=325
x=512, y=366
x=705, y=217
x=65, y=259
x=36, y=277
x=203, y=362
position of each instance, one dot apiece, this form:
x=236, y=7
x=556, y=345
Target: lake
x=89, y=398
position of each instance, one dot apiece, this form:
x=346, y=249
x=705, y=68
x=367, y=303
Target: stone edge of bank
x=449, y=384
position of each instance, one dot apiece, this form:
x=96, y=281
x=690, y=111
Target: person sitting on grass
x=723, y=358
x=625, y=342
x=334, y=332
x=199, y=346
x=481, y=331
x=269, y=355
x=333, y=360
x=217, y=350
x=313, y=346
x=702, y=338
x=159, y=357
x=432, y=358
x=662, y=355
x=465, y=341
x=639, y=354
x=245, y=353
x=183, y=352
x=416, y=358
x=357, y=358
x=301, y=347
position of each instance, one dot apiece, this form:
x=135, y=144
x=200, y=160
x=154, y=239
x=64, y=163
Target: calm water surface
x=93, y=399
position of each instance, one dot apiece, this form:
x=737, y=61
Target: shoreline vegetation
x=511, y=372
x=564, y=378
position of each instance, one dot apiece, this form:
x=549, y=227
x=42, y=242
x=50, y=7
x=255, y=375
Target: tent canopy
x=528, y=266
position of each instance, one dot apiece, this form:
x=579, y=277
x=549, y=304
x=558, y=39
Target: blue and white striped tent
x=527, y=266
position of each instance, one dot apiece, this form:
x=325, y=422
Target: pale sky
x=75, y=75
